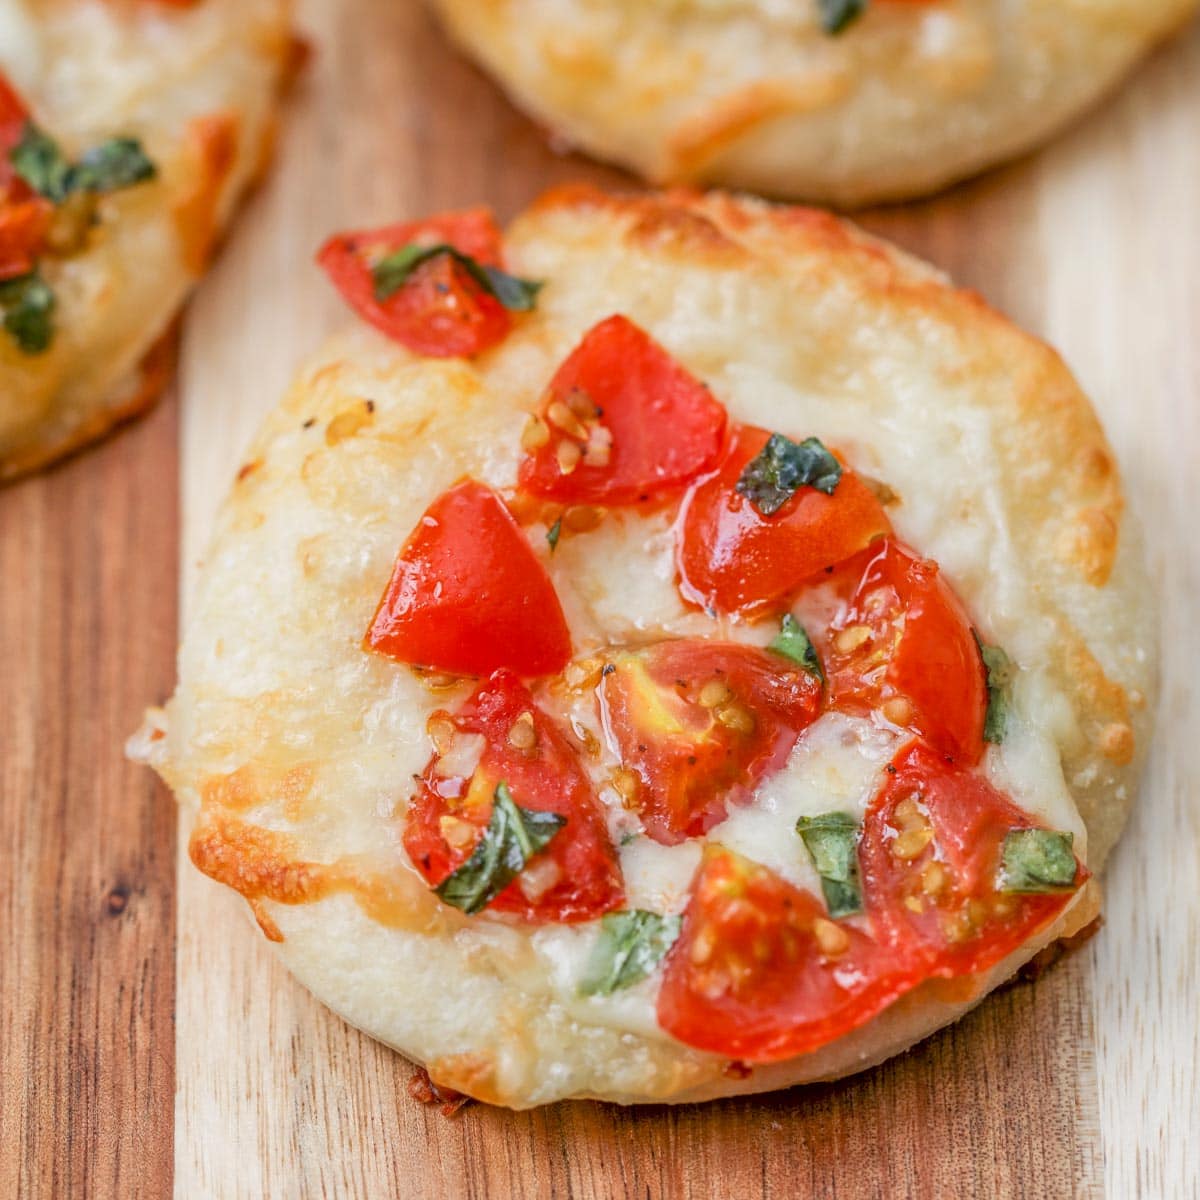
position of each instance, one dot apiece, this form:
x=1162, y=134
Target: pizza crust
x=752, y=94
x=294, y=747
x=199, y=87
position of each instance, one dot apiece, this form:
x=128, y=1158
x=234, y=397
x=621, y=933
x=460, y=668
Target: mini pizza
x=848, y=102
x=679, y=647
x=128, y=131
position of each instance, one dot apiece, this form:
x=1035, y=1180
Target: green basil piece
x=28, y=305
x=631, y=945
x=838, y=15
x=391, y=273
x=112, y=165
x=792, y=642
x=831, y=840
x=37, y=159
x=1037, y=860
x=772, y=477
x=554, y=533
x=513, y=836
x=1000, y=672
x=118, y=163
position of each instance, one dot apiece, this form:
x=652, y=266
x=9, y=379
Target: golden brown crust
x=743, y=93
x=995, y=464
x=211, y=76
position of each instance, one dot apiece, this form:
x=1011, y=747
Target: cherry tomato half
x=468, y=595
x=930, y=864
x=733, y=559
x=699, y=723
x=440, y=310
x=622, y=422
x=760, y=973
x=576, y=877
x=24, y=215
x=903, y=644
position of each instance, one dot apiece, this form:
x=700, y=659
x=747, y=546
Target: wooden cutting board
x=148, y=1040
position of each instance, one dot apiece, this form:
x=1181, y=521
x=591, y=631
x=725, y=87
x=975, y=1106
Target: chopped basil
x=391, y=273
x=837, y=15
x=1000, y=671
x=631, y=945
x=37, y=159
x=773, y=475
x=1037, y=860
x=513, y=836
x=554, y=533
x=114, y=164
x=831, y=840
x=28, y=306
x=794, y=643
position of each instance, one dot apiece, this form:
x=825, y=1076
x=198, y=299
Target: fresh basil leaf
x=631, y=945
x=28, y=305
x=37, y=159
x=554, y=533
x=391, y=273
x=512, y=837
x=1037, y=860
x=794, y=643
x=516, y=294
x=118, y=163
x=772, y=476
x=838, y=15
x=831, y=840
x=1000, y=672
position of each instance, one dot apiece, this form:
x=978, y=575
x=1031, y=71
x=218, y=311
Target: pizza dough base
x=752, y=94
x=294, y=746
x=200, y=88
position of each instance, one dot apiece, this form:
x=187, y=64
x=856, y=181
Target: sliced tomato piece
x=576, y=877
x=760, y=973
x=902, y=644
x=698, y=723
x=24, y=216
x=733, y=559
x=468, y=594
x=930, y=859
x=441, y=310
x=621, y=422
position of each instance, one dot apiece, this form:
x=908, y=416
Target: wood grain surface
x=1084, y=1085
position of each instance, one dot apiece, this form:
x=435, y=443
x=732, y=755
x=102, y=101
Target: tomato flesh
x=440, y=311
x=759, y=973
x=930, y=858
x=625, y=423
x=732, y=559
x=24, y=215
x=576, y=877
x=902, y=644
x=699, y=723
x=468, y=595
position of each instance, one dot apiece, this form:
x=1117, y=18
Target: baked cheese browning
x=759, y=304
x=435, y=286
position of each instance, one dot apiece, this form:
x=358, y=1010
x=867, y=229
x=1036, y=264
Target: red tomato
x=626, y=423
x=576, y=877
x=24, y=215
x=760, y=973
x=440, y=310
x=733, y=559
x=699, y=723
x=468, y=594
x=903, y=644
x=929, y=860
